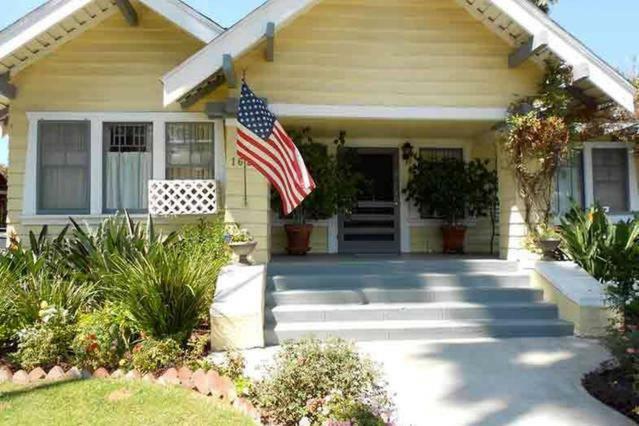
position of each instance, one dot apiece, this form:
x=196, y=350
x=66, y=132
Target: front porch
x=384, y=221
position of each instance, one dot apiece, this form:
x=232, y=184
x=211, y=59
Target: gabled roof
x=58, y=21
x=517, y=21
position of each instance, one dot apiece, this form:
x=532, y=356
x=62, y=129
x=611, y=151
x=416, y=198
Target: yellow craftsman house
x=116, y=104
x=132, y=104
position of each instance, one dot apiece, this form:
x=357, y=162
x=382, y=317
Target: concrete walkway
x=487, y=382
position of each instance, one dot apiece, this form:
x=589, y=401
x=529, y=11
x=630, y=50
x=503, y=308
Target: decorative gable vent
x=182, y=197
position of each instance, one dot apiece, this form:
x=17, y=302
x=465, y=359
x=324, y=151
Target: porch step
x=364, y=296
x=374, y=264
x=402, y=280
x=408, y=311
x=423, y=329
x=381, y=299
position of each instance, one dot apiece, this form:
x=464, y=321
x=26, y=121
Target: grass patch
x=106, y=402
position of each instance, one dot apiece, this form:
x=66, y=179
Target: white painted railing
x=182, y=197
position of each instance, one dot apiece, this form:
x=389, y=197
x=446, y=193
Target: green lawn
x=105, y=402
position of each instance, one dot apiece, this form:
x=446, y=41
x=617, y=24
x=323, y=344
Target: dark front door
x=373, y=226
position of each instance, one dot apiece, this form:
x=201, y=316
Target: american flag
x=263, y=144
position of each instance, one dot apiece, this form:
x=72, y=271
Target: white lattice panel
x=182, y=197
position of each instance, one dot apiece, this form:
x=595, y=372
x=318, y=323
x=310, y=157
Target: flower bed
x=612, y=386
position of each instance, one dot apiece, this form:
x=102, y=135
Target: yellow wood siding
x=112, y=67
x=397, y=53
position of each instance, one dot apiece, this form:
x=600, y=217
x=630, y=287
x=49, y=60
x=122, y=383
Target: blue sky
x=609, y=28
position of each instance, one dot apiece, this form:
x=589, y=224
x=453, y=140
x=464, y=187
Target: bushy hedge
x=314, y=381
x=114, y=285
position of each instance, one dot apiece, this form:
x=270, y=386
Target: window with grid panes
x=128, y=165
x=190, y=151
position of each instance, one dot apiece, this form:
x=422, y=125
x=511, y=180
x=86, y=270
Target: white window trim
x=97, y=119
x=589, y=193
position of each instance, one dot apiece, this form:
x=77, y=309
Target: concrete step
x=364, y=296
x=383, y=265
x=401, y=280
x=415, y=330
x=409, y=311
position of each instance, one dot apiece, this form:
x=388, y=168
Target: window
x=189, y=151
x=569, y=184
x=127, y=166
x=610, y=178
x=436, y=154
x=63, y=167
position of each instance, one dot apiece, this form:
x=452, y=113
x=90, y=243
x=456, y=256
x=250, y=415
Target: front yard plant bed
x=111, y=402
x=614, y=388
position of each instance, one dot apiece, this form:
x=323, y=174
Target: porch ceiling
x=400, y=129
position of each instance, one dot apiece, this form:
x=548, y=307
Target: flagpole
x=245, y=187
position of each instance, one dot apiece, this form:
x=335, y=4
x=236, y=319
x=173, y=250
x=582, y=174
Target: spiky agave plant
x=165, y=292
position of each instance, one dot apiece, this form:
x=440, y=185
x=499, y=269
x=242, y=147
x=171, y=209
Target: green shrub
x=305, y=374
x=152, y=355
x=47, y=342
x=166, y=292
x=102, y=338
x=609, y=252
x=90, y=252
x=206, y=239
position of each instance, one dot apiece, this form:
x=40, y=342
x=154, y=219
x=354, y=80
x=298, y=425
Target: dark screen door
x=373, y=226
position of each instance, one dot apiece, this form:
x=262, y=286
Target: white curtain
x=127, y=177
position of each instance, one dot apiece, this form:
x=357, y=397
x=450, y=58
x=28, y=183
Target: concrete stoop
x=406, y=300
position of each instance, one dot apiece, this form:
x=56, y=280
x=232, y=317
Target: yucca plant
x=584, y=235
x=609, y=252
x=90, y=251
x=165, y=292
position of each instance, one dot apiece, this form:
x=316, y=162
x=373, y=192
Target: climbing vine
x=542, y=129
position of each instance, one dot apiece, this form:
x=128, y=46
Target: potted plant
x=241, y=243
x=451, y=189
x=337, y=187
x=548, y=240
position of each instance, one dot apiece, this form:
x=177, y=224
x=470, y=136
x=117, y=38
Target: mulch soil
x=614, y=387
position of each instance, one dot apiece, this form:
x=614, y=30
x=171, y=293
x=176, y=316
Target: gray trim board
x=269, y=54
x=229, y=71
x=129, y=13
x=531, y=47
x=7, y=89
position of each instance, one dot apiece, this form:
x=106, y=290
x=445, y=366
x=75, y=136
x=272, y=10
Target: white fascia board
x=186, y=18
x=365, y=112
x=572, y=51
x=36, y=22
x=235, y=41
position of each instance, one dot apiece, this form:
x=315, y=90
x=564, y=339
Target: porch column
x=512, y=226
x=247, y=197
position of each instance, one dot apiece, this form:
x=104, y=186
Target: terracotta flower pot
x=549, y=248
x=298, y=237
x=243, y=250
x=453, y=238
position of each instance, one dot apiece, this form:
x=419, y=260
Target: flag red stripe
x=273, y=175
x=274, y=169
x=248, y=157
x=268, y=149
x=283, y=139
x=274, y=162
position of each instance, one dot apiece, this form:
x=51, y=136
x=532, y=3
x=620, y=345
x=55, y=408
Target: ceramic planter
x=453, y=238
x=549, y=248
x=243, y=250
x=298, y=237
